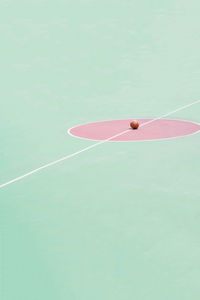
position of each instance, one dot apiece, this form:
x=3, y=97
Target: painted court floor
x=91, y=209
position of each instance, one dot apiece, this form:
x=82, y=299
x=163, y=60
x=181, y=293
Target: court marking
x=131, y=140
x=90, y=147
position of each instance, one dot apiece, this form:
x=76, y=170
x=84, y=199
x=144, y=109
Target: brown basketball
x=134, y=124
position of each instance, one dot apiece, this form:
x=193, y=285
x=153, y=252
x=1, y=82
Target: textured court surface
x=119, y=221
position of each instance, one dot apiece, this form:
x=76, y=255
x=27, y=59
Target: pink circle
x=153, y=130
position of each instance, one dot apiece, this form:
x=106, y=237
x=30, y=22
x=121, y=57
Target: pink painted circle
x=155, y=130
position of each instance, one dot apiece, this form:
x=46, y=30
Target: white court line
x=92, y=146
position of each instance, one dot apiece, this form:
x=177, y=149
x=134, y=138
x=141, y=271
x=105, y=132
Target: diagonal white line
x=92, y=146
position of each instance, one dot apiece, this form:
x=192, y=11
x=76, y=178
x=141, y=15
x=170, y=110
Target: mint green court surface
x=120, y=220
